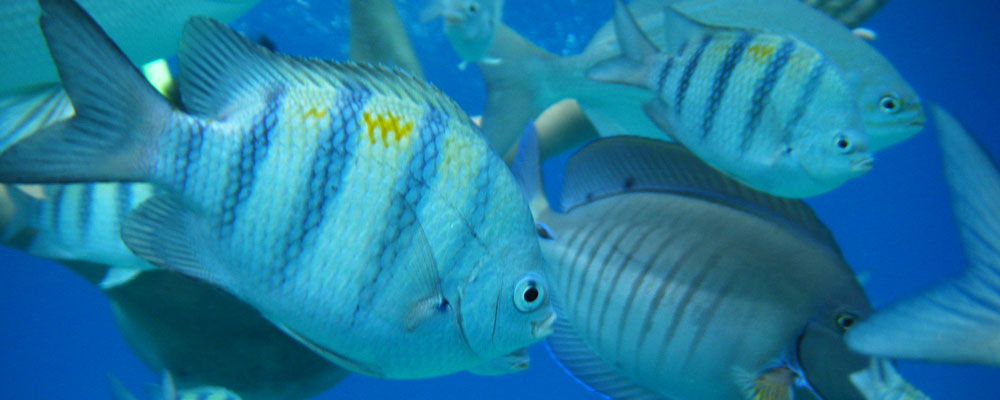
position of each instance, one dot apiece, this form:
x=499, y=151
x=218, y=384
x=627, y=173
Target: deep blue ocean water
x=58, y=340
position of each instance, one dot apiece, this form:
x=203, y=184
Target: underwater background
x=58, y=339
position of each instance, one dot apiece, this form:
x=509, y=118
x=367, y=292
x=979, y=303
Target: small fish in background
x=168, y=391
x=768, y=110
x=849, y=12
x=957, y=321
x=674, y=281
x=81, y=222
x=469, y=25
x=531, y=79
x=378, y=36
x=270, y=175
x=880, y=381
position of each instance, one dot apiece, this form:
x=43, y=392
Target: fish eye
x=473, y=7
x=529, y=294
x=843, y=143
x=845, y=320
x=890, y=103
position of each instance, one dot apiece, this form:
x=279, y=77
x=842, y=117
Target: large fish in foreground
x=356, y=207
x=959, y=320
x=530, y=79
x=673, y=281
x=768, y=110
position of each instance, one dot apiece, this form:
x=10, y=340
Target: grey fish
x=673, y=281
x=959, y=320
x=378, y=36
x=769, y=110
x=850, y=12
x=168, y=391
x=271, y=175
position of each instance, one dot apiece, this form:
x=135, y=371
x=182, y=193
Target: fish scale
x=332, y=197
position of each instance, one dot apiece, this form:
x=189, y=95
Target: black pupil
x=888, y=104
x=531, y=295
x=846, y=322
x=842, y=143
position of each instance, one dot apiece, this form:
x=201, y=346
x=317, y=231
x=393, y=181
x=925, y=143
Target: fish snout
x=543, y=328
x=863, y=164
x=452, y=17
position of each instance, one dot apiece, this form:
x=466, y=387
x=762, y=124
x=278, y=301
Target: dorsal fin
x=219, y=65
x=622, y=164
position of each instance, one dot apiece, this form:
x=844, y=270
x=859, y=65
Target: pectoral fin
x=772, y=384
x=343, y=361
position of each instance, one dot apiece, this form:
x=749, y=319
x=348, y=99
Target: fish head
x=509, y=309
x=823, y=357
x=830, y=157
x=469, y=26
x=892, y=112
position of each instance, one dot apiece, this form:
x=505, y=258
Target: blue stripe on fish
x=733, y=56
x=327, y=174
x=83, y=210
x=806, y=96
x=195, y=139
x=664, y=72
x=252, y=150
x=762, y=91
x=57, y=205
x=685, y=81
x=123, y=200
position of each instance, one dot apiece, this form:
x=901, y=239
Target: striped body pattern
x=687, y=298
x=851, y=12
x=83, y=222
x=355, y=206
x=751, y=104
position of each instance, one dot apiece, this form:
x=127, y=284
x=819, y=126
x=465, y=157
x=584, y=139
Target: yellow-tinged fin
x=772, y=384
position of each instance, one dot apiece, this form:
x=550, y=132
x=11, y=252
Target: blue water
x=58, y=340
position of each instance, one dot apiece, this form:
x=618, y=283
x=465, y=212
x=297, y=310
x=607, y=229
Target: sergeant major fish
x=82, y=222
x=673, y=281
x=958, y=320
x=355, y=206
x=469, y=25
x=782, y=121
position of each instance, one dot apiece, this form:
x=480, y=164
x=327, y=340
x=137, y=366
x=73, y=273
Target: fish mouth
x=543, y=328
x=863, y=165
x=452, y=18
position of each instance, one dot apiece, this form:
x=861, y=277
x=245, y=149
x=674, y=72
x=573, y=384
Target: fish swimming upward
x=530, y=79
x=673, y=281
x=355, y=206
x=81, y=222
x=768, y=110
x=469, y=26
x=959, y=320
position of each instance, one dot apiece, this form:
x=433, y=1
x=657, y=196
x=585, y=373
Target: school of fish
x=357, y=220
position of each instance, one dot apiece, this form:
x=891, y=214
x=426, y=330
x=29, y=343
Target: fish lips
x=827, y=363
x=863, y=165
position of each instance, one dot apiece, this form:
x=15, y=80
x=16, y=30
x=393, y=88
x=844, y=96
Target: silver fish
x=145, y=30
x=959, y=320
x=673, y=281
x=350, y=204
x=850, y=12
x=82, y=222
x=168, y=391
x=768, y=110
x=469, y=26
x=880, y=381
x=530, y=79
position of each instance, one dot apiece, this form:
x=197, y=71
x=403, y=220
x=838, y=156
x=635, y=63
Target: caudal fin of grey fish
x=379, y=37
x=636, y=62
x=117, y=112
x=959, y=320
x=24, y=113
x=578, y=360
x=516, y=89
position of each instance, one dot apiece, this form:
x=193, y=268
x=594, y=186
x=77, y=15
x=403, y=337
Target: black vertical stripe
x=664, y=72
x=612, y=249
x=713, y=308
x=252, y=150
x=722, y=75
x=57, y=206
x=763, y=88
x=689, y=69
x=84, y=209
x=628, y=257
x=123, y=201
x=806, y=96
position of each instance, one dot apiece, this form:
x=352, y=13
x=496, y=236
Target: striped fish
x=673, y=281
x=851, y=12
x=350, y=204
x=766, y=109
x=82, y=222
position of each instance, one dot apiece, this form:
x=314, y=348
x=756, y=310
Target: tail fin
x=958, y=321
x=22, y=114
x=118, y=389
x=517, y=89
x=639, y=55
x=118, y=114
